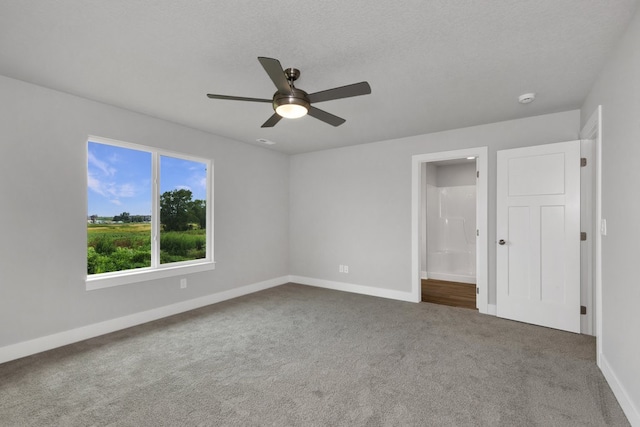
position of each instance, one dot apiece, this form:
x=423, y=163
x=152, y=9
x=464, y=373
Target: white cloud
x=106, y=169
x=95, y=184
x=116, y=202
x=114, y=158
x=126, y=190
x=111, y=190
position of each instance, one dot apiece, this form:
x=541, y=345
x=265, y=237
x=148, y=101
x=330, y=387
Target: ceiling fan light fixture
x=291, y=111
x=291, y=106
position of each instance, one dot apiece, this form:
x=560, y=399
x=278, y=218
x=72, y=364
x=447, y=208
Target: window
x=149, y=213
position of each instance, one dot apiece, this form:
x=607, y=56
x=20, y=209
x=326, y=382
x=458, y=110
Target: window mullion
x=209, y=210
x=155, y=210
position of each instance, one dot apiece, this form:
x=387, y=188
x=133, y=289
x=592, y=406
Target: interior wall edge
x=620, y=392
x=617, y=90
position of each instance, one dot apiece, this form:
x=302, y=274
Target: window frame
x=156, y=270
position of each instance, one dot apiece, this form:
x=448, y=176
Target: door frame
x=587, y=224
x=482, y=250
x=592, y=130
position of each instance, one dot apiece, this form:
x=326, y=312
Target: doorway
x=459, y=246
x=448, y=264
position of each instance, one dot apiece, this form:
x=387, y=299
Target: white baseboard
x=27, y=348
x=619, y=391
x=356, y=289
x=423, y=275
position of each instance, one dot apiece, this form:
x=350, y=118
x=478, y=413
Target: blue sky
x=119, y=179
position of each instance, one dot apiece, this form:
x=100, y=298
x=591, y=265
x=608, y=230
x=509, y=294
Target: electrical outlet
x=183, y=283
x=341, y=269
x=346, y=268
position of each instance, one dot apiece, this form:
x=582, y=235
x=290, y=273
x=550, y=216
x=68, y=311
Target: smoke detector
x=526, y=98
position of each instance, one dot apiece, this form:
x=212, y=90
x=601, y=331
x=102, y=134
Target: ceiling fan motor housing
x=295, y=97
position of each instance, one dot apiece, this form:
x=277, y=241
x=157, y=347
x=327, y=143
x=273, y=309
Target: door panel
x=538, y=218
x=552, y=278
x=521, y=169
x=518, y=254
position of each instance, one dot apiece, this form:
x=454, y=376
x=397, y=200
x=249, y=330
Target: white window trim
x=125, y=277
x=157, y=270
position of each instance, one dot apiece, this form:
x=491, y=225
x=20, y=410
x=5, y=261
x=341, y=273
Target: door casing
x=417, y=192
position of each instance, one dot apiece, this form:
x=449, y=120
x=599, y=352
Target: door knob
x=501, y=242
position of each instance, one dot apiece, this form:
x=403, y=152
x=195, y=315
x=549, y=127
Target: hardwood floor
x=449, y=293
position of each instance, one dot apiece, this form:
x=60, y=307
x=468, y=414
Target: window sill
x=108, y=280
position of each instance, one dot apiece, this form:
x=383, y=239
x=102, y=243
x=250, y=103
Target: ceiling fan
x=290, y=102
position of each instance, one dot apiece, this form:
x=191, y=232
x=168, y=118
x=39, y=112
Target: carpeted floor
x=302, y=356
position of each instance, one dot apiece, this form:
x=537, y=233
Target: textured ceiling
x=432, y=65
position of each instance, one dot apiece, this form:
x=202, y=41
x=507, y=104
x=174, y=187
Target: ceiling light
x=471, y=158
x=293, y=105
x=265, y=141
x=526, y=98
x=291, y=111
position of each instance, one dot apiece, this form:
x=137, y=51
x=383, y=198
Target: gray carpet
x=302, y=356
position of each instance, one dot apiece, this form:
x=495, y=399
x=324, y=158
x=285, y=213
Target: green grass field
x=116, y=247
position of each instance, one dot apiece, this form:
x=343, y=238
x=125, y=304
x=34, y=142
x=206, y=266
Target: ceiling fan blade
x=238, y=98
x=276, y=73
x=325, y=117
x=348, y=91
x=272, y=121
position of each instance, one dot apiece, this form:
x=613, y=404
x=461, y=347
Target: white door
x=538, y=233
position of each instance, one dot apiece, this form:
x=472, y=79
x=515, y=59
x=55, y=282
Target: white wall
x=456, y=175
x=433, y=176
x=428, y=177
x=451, y=227
x=431, y=173
x=618, y=91
x=353, y=205
x=44, y=201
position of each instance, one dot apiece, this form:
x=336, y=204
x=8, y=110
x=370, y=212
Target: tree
x=198, y=210
x=175, y=210
x=137, y=218
x=124, y=217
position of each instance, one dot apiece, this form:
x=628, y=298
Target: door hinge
x=478, y=291
x=583, y=236
x=583, y=162
x=477, y=174
x=583, y=309
x=477, y=232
